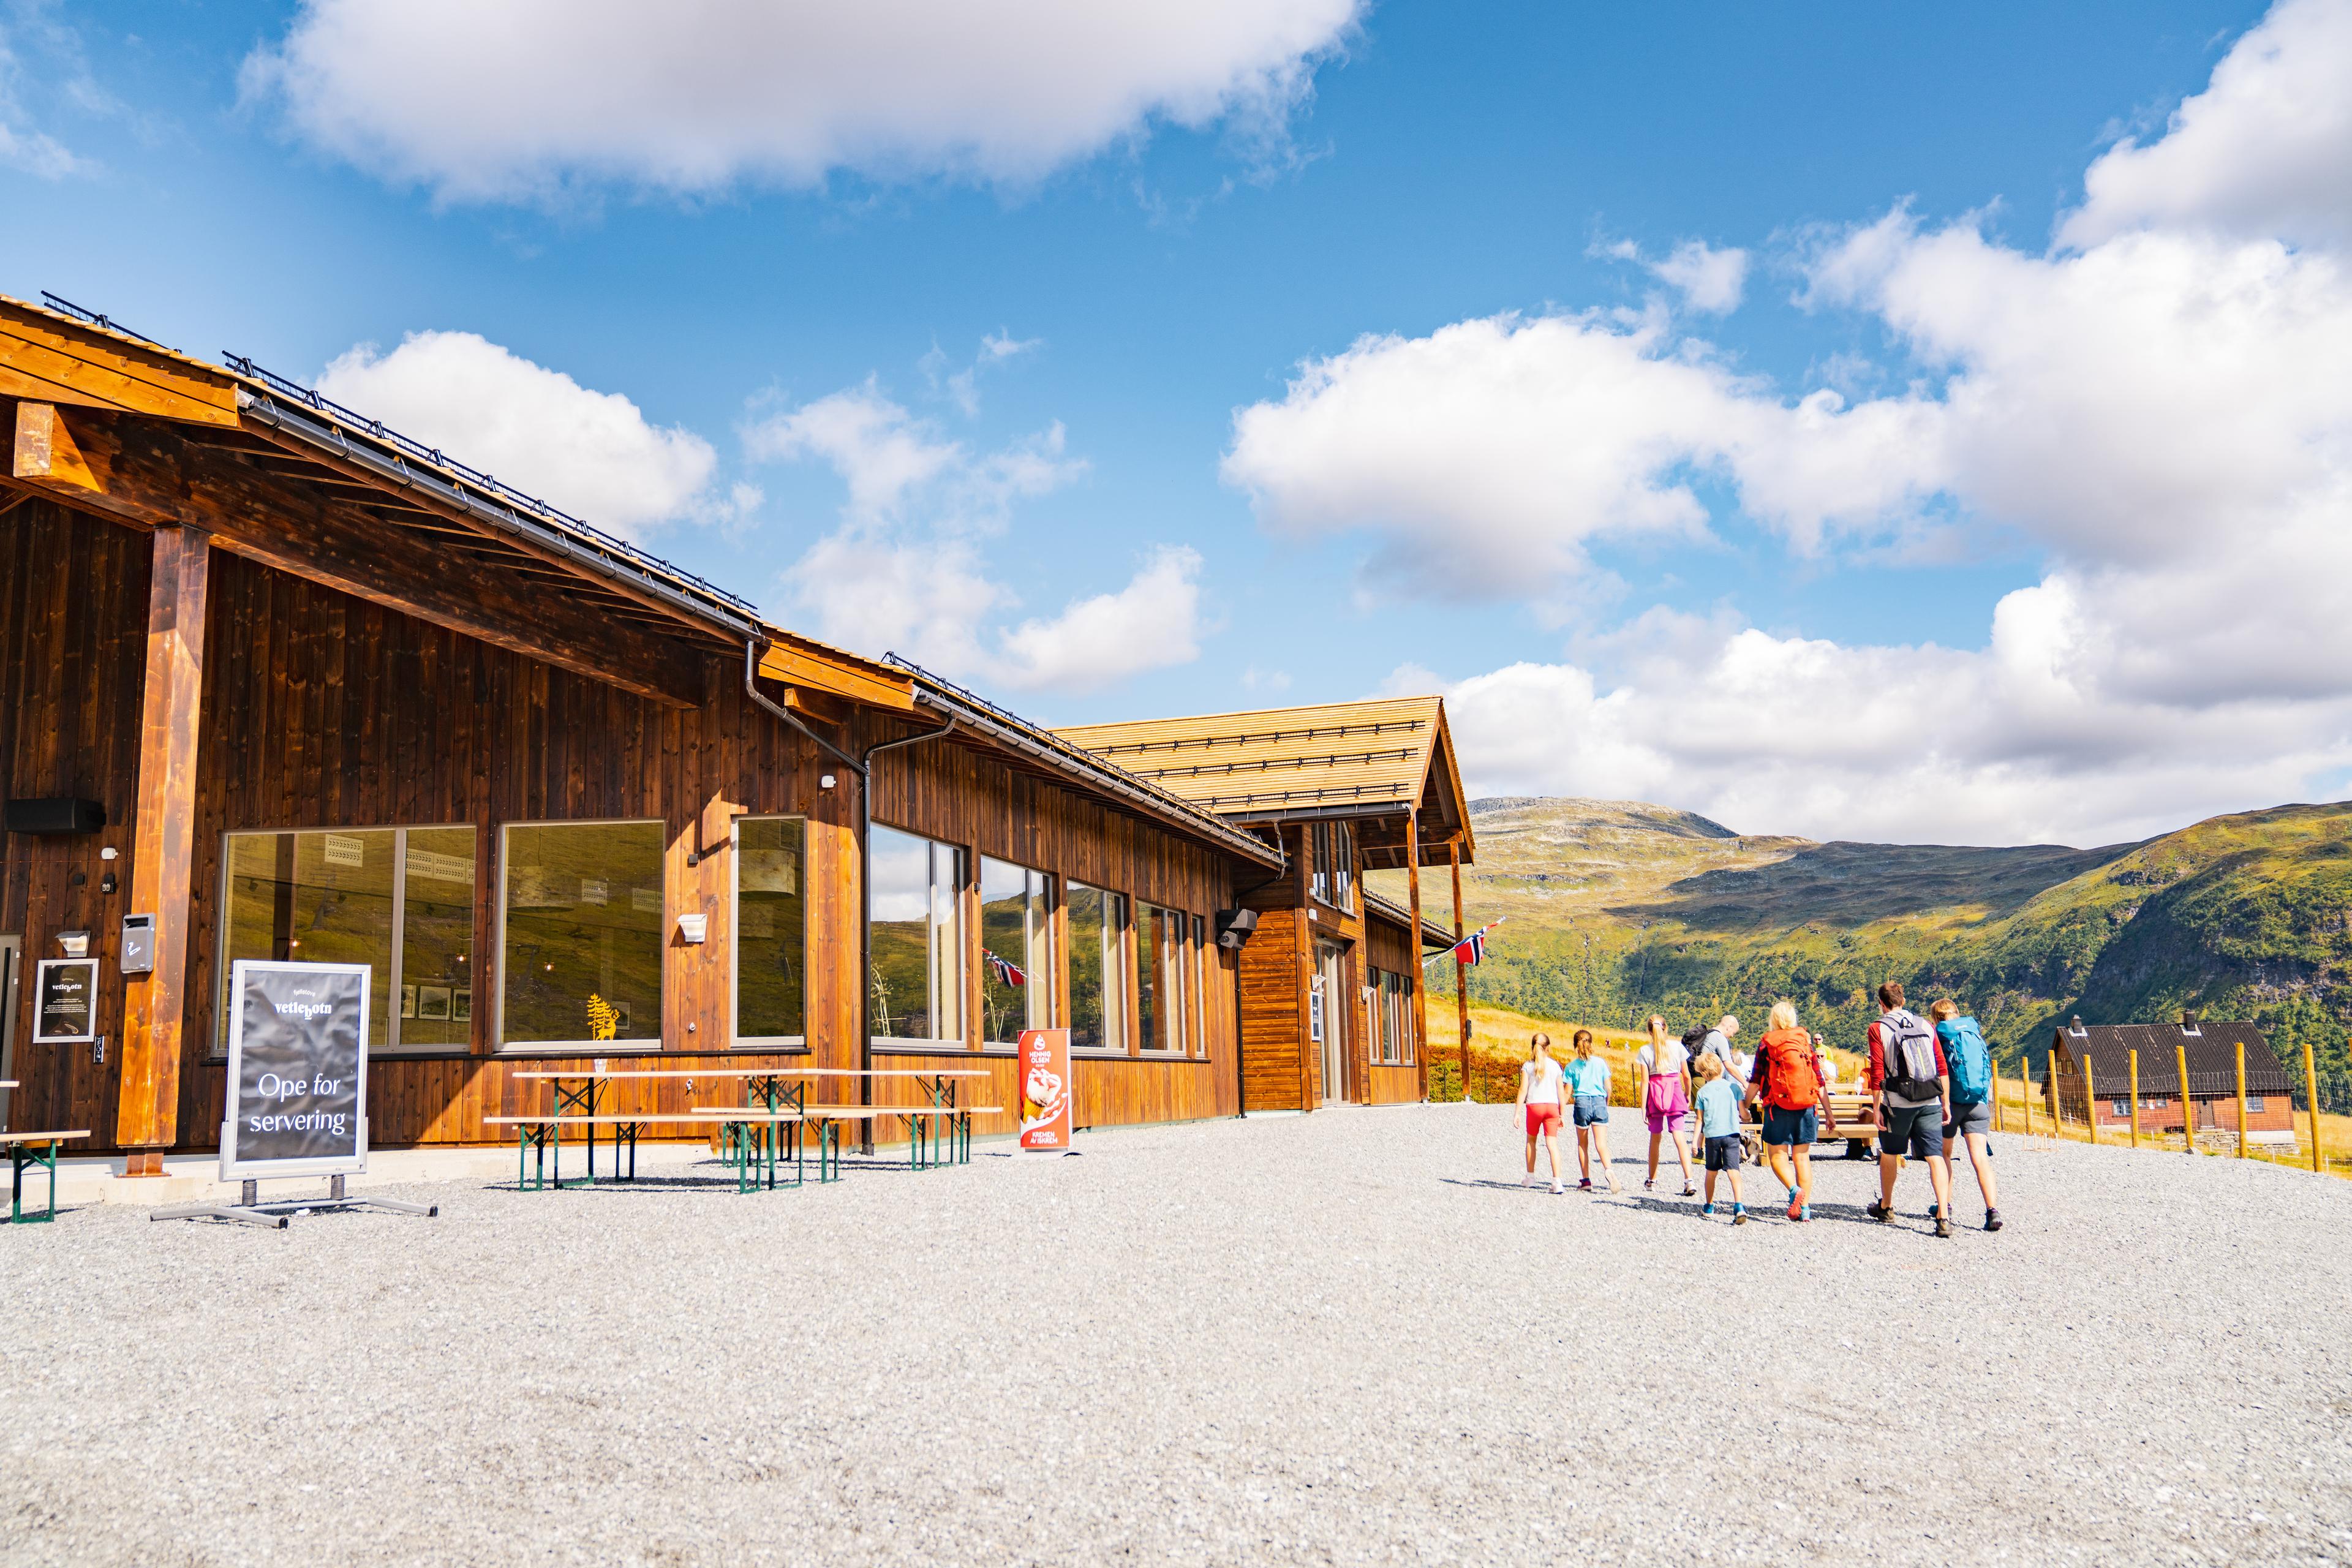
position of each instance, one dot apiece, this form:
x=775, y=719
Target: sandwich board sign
x=296, y=1103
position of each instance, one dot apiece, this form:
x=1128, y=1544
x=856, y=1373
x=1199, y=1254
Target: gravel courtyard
x=1346, y=1338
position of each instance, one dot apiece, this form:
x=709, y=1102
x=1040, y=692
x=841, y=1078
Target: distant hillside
x=1618, y=909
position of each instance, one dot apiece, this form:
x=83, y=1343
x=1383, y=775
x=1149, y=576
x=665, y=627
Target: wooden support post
x=2025, y=1088
x=2187, y=1106
x=163, y=846
x=1461, y=970
x=2090, y=1099
x=2242, y=1100
x=2311, y=1100
x=2134, y=1099
x=1420, y=1001
x=2050, y=1076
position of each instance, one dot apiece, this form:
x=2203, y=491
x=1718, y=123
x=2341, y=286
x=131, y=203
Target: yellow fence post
x=2242, y=1100
x=2187, y=1106
x=2311, y=1099
x=2050, y=1083
x=2090, y=1099
x=2134, y=1059
x=2025, y=1088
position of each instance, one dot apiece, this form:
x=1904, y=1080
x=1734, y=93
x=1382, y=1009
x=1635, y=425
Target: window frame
x=1115, y=959
x=1045, y=974
x=216, y=1046
x=963, y=895
x=499, y=1044
x=736, y=1039
x=1167, y=964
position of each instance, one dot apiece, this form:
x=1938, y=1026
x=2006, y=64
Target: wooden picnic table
x=21, y=1153
x=774, y=1107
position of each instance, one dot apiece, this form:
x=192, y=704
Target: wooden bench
x=538, y=1135
x=22, y=1154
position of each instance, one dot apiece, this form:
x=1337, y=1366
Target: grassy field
x=1498, y=1044
x=1616, y=908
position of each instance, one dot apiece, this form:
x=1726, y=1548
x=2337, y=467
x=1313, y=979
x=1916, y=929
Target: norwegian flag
x=1470, y=949
x=1004, y=972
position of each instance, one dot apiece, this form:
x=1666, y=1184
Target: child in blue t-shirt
x=1587, y=1081
x=1718, y=1131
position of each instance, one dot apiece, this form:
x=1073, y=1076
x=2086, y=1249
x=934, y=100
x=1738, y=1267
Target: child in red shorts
x=1540, y=1083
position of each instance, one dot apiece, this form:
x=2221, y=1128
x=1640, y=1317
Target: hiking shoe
x=1796, y=1211
x=1739, y=1214
x=1707, y=1210
x=1879, y=1212
x=1992, y=1219
x=1943, y=1227
x=1584, y=1184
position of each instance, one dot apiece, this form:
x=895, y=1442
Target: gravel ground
x=1346, y=1338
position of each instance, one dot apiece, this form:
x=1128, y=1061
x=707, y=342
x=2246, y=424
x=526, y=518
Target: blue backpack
x=1965, y=1056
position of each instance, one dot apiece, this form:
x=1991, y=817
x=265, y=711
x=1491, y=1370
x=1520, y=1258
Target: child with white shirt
x=1541, y=1085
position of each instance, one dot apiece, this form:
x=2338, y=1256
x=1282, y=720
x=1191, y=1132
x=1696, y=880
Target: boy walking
x=1718, y=1131
x=1913, y=1084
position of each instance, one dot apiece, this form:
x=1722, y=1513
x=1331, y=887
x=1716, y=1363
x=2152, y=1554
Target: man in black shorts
x=1914, y=1086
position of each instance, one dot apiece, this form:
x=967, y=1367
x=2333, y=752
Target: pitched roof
x=1432, y=933
x=1283, y=760
x=2212, y=1050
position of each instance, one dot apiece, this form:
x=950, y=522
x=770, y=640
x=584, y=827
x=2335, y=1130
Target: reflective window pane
x=312, y=898
x=1016, y=972
x=770, y=928
x=583, y=954
x=915, y=911
x=1097, y=920
x=436, y=939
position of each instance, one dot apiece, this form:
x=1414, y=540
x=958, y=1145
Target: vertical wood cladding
x=322, y=710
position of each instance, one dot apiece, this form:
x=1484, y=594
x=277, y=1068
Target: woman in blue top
x=1588, y=1081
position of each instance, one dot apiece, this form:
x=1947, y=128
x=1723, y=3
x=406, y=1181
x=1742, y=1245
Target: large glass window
x=1196, y=969
x=770, y=929
x=914, y=908
x=582, y=957
x=1098, y=922
x=1332, y=846
x=398, y=900
x=1016, y=952
x=1392, y=1001
x=1166, y=979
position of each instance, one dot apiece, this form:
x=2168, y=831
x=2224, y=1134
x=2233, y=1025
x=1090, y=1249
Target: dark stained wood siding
x=321, y=710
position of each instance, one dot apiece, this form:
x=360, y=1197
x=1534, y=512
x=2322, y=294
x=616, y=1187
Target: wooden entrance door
x=1331, y=1011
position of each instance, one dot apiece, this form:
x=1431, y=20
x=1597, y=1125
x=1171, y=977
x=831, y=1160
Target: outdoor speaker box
x=59, y=814
x=1234, y=926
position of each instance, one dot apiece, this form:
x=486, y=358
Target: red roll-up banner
x=1045, y=1091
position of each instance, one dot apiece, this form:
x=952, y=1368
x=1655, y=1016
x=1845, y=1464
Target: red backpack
x=1791, y=1080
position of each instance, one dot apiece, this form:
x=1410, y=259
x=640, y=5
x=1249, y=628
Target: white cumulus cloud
x=905, y=570
x=2264, y=152
x=2159, y=405
x=523, y=97
x=593, y=454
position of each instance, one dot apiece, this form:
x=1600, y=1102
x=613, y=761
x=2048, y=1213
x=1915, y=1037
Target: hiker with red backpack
x=1970, y=1120
x=1913, y=1084
x=1787, y=1078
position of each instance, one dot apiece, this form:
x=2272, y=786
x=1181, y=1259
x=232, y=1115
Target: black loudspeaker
x=59, y=814
x=1234, y=926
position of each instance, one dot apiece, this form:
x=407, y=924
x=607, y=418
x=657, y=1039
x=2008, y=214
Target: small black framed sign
x=297, y=1092
x=65, y=1002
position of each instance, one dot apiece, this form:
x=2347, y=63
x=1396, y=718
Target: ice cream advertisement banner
x=1046, y=1091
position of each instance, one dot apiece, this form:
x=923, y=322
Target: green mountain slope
x=1617, y=909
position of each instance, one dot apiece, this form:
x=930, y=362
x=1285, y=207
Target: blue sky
x=1414, y=167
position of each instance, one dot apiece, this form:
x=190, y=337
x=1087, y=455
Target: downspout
x=864, y=768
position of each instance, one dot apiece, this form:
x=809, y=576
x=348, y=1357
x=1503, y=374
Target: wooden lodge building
x=277, y=682
x=2210, y=1048
x=1332, y=983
